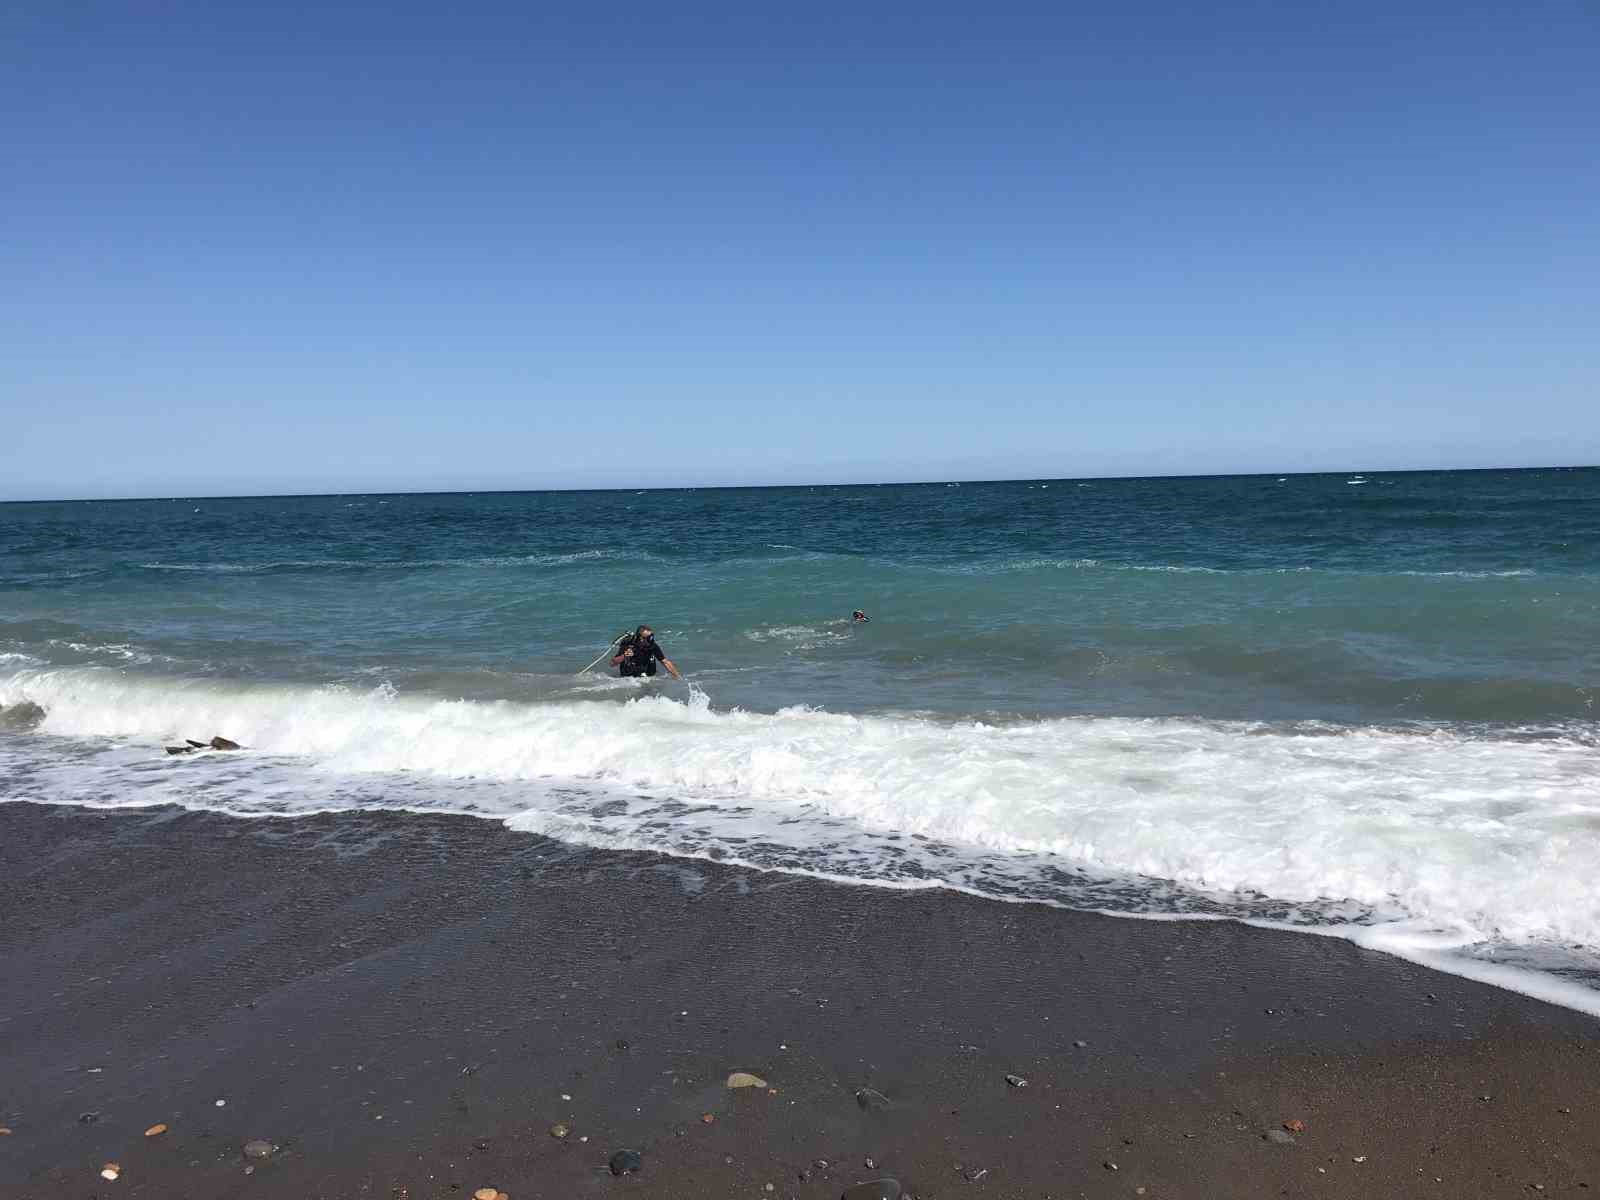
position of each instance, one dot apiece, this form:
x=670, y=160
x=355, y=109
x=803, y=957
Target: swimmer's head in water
x=858, y=615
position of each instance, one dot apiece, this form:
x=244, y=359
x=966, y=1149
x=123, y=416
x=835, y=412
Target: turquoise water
x=1360, y=701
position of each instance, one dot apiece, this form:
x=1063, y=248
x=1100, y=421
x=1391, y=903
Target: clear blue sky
x=267, y=247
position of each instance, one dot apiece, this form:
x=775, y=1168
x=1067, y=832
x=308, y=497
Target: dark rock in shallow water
x=198, y=745
x=21, y=716
x=871, y=1098
x=876, y=1189
x=180, y=749
x=626, y=1162
x=222, y=743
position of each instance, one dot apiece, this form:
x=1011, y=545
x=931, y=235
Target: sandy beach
x=408, y=1006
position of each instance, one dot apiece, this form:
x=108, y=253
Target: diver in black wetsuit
x=638, y=653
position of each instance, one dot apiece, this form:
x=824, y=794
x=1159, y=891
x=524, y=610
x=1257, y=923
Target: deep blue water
x=1464, y=596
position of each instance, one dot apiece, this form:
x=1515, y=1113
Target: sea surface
x=1360, y=704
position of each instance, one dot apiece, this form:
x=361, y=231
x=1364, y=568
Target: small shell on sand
x=110, y=1171
x=743, y=1079
x=486, y=1194
x=155, y=1131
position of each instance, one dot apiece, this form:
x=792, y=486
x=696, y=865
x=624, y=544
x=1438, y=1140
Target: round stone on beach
x=743, y=1079
x=626, y=1162
x=111, y=1171
x=875, y=1189
x=258, y=1148
x=560, y=1129
x=485, y=1194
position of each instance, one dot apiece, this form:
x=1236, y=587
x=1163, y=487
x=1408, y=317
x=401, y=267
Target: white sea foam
x=1412, y=841
x=310, y=564
x=802, y=637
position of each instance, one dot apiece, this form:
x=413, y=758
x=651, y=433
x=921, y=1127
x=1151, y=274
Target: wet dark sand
x=400, y=1002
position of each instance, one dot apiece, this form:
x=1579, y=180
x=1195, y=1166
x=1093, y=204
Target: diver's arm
x=667, y=663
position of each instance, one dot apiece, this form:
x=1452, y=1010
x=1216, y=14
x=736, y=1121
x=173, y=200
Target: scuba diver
x=638, y=653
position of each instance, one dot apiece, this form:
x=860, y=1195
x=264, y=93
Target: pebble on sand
x=872, y=1098
x=111, y=1171
x=1295, y=1126
x=5, y=1131
x=560, y=1129
x=707, y=1118
x=258, y=1148
x=155, y=1131
x=743, y=1079
x=1016, y=1081
x=626, y=1162
x=486, y=1194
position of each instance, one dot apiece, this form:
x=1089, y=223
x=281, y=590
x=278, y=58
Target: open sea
x=1360, y=704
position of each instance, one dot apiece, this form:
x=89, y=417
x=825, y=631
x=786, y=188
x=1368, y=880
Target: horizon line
x=730, y=487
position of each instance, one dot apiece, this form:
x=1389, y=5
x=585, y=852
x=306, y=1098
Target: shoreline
x=399, y=1003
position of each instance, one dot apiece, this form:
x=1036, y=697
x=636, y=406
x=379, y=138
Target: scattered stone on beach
x=821, y=1164
x=155, y=1131
x=485, y=1194
x=1016, y=1081
x=88, y=1118
x=743, y=1079
x=110, y=1171
x=1081, y=1045
x=560, y=1130
x=973, y=1174
x=1278, y=1137
x=221, y=743
x=873, y=1189
x=707, y=1118
x=626, y=1162
x=258, y=1148
x=1295, y=1125
x=871, y=1098
x=222, y=1103
x=1110, y=1166
x=869, y=1164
